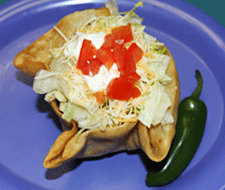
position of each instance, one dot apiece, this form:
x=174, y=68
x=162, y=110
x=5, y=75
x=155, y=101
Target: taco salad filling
x=108, y=73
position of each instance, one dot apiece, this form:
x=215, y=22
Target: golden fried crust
x=156, y=142
x=37, y=56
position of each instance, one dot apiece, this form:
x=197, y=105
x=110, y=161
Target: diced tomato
x=119, y=35
x=94, y=66
x=119, y=52
x=119, y=42
x=109, y=41
x=85, y=67
x=121, y=89
x=105, y=55
x=87, y=52
x=136, y=52
x=134, y=77
x=123, y=33
x=129, y=64
x=100, y=96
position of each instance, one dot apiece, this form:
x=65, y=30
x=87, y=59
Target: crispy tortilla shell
x=155, y=142
x=37, y=56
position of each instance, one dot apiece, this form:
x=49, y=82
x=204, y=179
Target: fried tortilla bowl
x=37, y=56
x=74, y=143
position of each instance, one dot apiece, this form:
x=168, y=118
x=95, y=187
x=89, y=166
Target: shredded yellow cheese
x=150, y=55
x=76, y=70
x=64, y=37
x=126, y=120
x=148, y=87
x=135, y=108
x=139, y=38
x=102, y=110
x=145, y=68
x=62, y=75
x=116, y=112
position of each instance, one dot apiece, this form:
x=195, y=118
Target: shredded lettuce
x=128, y=15
x=88, y=121
x=93, y=121
x=64, y=86
x=146, y=114
x=131, y=16
x=162, y=107
x=80, y=113
x=138, y=27
x=159, y=67
x=155, y=106
x=45, y=81
x=50, y=96
x=69, y=112
x=116, y=18
x=112, y=6
x=168, y=118
x=60, y=96
x=62, y=106
x=59, y=66
x=160, y=49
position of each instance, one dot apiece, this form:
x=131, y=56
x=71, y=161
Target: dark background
x=214, y=8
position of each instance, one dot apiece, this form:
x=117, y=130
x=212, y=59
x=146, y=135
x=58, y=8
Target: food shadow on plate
x=44, y=107
x=74, y=163
x=149, y=164
x=24, y=78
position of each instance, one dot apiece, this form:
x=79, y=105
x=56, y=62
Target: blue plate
x=29, y=127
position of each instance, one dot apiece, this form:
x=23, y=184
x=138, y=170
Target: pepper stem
x=198, y=89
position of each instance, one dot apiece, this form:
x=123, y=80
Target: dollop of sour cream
x=74, y=48
x=101, y=80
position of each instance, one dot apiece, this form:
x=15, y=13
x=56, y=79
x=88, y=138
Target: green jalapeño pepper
x=192, y=113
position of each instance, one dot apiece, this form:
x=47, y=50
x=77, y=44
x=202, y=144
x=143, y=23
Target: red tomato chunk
x=105, y=55
x=119, y=53
x=94, y=66
x=113, y=51
x=121, y=89
x=129, y=65
x=123, y=33
x=136, y=52
x=88, y=51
